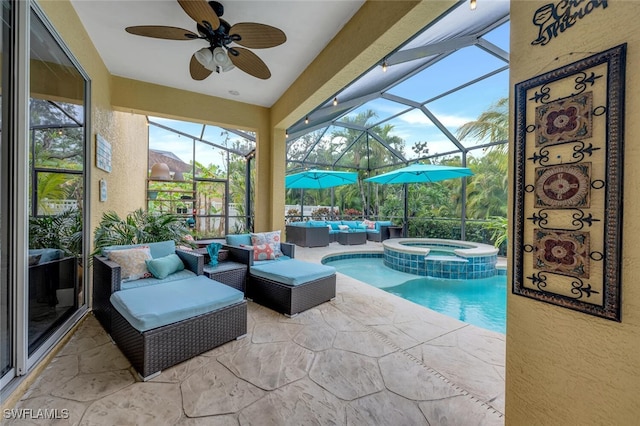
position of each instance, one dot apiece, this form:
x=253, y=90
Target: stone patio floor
x=365, y=358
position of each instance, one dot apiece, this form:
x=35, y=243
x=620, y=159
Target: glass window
x=56, y=164
x=202, y=166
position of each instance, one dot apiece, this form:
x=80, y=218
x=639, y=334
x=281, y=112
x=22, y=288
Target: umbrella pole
x=405, y=224
x=332, y=200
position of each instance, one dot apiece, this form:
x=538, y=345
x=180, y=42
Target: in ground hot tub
x=441, y=258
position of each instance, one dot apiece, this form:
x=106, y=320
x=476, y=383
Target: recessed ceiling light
x=234, y=92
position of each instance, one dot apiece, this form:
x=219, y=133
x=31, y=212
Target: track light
x=286, y=134
x=472, y=4
x=335, y=101
x=306, y=120
x=384, y=66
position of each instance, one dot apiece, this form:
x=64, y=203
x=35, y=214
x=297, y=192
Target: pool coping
x=471, y=250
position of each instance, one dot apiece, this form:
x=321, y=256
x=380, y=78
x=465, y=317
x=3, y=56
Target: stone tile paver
x=460, y=410
x=269, y=332
x=214, y=390
x=60, y=412
x=362, y=342
x=102, y=358
x=299, y=403
x=139, y=404
x=269, y=365
x=316, y=337
x=385, y=408
x=346, y=375
x=225, y=420
x=395, y=336
x=87, y=387
x=412, y=380
x=447, y=356
x=61, y=369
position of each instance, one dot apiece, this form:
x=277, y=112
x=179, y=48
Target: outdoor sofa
x=284, y=284
x=158, y=322
x=304, y=234
x=311, y=233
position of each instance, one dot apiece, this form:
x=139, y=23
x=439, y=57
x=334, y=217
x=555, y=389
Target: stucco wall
x=565, y=367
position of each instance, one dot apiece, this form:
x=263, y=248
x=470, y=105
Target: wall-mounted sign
x=568, y=185
x=103, y=154
x=553, y=19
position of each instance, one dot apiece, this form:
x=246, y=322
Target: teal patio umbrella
x=419, y=173
x=320, y=179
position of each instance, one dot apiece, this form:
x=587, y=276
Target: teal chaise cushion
x=149, y=307
x=292, y=272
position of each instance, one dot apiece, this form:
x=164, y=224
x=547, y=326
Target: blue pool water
x=481, y=302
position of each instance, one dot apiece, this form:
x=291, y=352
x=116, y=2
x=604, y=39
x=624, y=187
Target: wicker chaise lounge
x=288, y=286
x=162, y=324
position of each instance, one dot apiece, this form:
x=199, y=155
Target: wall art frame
x=103, y=154
x=568, y=167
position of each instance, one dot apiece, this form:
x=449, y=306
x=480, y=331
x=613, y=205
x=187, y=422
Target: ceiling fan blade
x=249, y=62
x=200, y=11
x=198, y=72
x=159, y=31
x=257, y=36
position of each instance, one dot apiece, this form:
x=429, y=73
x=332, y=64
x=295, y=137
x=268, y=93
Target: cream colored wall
x=565, y=367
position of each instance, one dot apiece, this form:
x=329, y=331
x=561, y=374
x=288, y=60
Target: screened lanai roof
x=445, y=76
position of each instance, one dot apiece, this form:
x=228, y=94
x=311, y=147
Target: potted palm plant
x=140, y=227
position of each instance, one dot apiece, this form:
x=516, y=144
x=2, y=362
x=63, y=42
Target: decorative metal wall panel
x=568, y=185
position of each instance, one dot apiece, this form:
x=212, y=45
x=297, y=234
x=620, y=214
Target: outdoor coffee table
x=351, y=238
x=230, y=273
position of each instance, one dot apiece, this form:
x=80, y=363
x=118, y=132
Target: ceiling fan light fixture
x=204, y=56
x=220, y=61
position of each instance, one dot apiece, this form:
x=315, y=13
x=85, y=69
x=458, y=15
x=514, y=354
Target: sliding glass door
x=6, y=293
x=43, y=190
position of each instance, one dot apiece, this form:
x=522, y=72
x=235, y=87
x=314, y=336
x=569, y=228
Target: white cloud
x=417, y=117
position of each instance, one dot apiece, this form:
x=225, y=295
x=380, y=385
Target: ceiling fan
x=219, y=56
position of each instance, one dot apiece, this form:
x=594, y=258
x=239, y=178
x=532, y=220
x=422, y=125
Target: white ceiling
x=308, y=24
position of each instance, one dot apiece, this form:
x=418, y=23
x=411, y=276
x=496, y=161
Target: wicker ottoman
x=291, y=286
x=154, y=349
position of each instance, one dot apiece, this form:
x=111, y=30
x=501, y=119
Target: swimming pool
x=481, y=302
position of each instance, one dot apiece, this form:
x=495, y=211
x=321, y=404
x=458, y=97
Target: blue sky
x=452, y=110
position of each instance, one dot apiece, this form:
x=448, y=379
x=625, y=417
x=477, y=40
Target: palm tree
x=487, y=190
x=492, y=125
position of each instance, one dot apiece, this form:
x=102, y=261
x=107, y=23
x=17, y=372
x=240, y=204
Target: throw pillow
x=343, y=227
x=238, y=239
x=162, y=267
x=132, y=262
x=34, y=259
x=263, y=252
x=369, y=224
x=272, y=238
